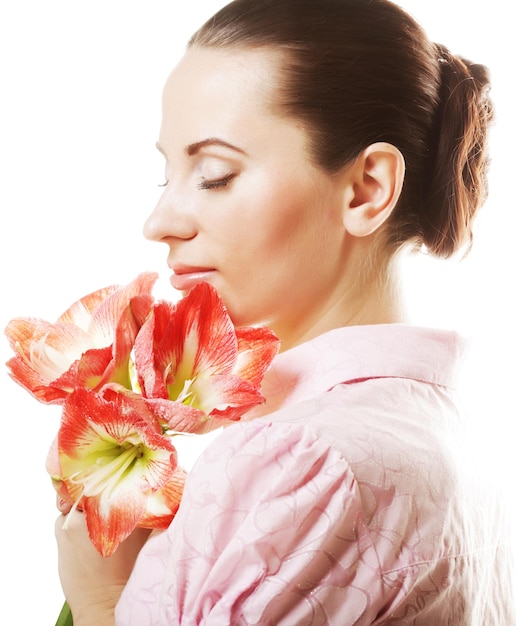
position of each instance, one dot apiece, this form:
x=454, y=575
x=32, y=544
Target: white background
x=79, y=117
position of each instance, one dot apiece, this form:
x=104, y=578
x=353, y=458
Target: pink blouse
x=340, y=503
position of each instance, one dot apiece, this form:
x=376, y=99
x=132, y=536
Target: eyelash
x=209, y=184
x=216, y=184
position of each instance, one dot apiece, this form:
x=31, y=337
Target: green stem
x=65, y=617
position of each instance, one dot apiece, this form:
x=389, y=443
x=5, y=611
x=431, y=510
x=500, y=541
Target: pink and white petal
x=162, y=505
x=22, y=331
x=194, y=338
x=88, y=372
x=31, y=380
x=111, y=459
x=160, y=353
x=89, y=419
x=55, y=353
x=49, y=349
x=106, y=316
x=148, y=351
x=80, y=312
x=220, y=392
x=114, y=512
x=109, y=521
x=223, y=417
x=119, y=368
x=257, y=347
x=179, y=417
x=134, y=402
x=141, y=306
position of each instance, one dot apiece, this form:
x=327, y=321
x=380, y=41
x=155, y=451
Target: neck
x=371, y=297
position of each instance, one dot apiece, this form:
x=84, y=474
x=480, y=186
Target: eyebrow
x=194, y=148
x=211, y=141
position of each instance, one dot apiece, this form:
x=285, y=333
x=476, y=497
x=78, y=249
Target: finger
x=63, y=506
x=70, y=526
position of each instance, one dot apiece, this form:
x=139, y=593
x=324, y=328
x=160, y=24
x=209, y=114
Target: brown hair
x=362, y=71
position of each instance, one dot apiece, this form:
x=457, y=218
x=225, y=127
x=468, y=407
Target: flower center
x=105, y=470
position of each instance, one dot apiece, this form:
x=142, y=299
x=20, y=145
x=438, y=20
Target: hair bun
x=458, y=181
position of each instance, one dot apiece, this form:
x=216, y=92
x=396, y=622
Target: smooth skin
x=282, y=240
x=91, y=583
x=245, y=208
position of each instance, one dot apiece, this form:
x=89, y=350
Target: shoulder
x=271, y=517
x=274, y=513
x=391, y=431
x=255, y=461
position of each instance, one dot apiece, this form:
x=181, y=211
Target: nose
x=170, y=219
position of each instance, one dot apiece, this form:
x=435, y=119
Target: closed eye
x=218, y=183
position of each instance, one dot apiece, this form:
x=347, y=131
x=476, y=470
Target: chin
x=238, y=316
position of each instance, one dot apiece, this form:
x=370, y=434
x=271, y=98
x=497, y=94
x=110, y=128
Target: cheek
x=253, y=227
x=279, y=217
x=272, y=231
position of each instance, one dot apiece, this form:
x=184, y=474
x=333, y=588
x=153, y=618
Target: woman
x=307, y=146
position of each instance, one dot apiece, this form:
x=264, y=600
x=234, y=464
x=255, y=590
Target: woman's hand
x=92, y=584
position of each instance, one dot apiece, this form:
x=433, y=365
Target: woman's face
x=244, y=208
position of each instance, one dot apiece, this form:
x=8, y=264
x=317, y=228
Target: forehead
x=232, y=94
x=225, y=80
x=260, y=62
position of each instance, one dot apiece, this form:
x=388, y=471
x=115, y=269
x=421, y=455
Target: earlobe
x=374, y=184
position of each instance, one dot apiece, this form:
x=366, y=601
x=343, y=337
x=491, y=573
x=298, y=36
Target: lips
x=185, y=277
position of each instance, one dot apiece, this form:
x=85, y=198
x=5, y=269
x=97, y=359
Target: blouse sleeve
x=270, y=531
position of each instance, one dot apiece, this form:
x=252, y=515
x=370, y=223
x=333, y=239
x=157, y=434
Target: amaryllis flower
x=116, y=465
x=132, y=375
x=192, y=354
x=89, y=345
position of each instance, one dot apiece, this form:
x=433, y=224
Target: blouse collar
x=354, y=353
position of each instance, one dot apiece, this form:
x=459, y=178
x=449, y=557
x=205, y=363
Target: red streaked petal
x=125, y=334
x=193, y=337
x=110, y=522
x=21, y=331
x=257, y=347
x=30, y=380
x=107, y=314
x=88, y=415
x=52, y=359
x=162, y=505
x=202, y=316
x=192, y=354
x=179, y=417
x=149, y=354
x=79, y=313
x=112, y=457
x=179, y=343
x=24, y=332
x=87, y=372
x=47, y=349
x=186, y=419
x=219, y=392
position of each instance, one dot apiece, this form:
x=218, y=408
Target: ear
x=374, y=183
